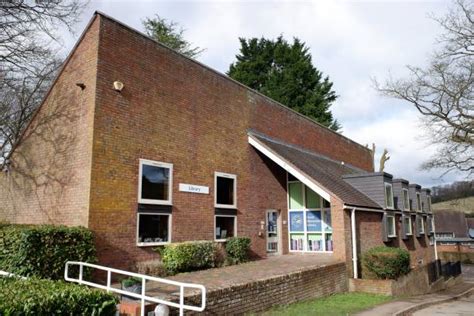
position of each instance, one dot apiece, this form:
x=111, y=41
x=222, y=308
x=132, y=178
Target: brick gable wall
x=49, y=176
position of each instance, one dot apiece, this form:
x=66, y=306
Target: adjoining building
x=145, y=146
x=454, y=232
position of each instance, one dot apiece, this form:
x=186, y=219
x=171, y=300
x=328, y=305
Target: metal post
x=143, y=296
x=181, y=300
x=80, y=273
x=109, y=279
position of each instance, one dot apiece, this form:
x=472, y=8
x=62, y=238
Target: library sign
x=183, y=187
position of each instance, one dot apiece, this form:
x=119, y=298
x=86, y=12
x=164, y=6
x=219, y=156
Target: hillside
x=465, y=204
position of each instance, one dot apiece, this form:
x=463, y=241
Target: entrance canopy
x=320, y=173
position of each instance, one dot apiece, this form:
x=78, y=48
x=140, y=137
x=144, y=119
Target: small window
x=225, y=190
x=391, y=226
x=388, y=196
x=407, y=223
x=429, y=203
x=155, y=182
x=406, y=200
x=225, y=227
x=420, y=224
x=418, y=201
x=153, y=229
x=432, y=224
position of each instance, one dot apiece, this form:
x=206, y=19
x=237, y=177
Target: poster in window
x=296, y=221
x=313, y=221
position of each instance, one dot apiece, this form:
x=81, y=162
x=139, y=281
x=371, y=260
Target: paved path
x=393, y=307
x=214, y=279
x=461, y=307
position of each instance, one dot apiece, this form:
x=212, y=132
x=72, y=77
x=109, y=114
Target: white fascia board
x=290, y=169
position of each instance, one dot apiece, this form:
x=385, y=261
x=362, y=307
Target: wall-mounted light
x=118, y=86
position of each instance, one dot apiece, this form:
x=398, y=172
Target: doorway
x=273, y=232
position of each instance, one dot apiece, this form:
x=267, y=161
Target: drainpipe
x=434, y=237
x=354, y=243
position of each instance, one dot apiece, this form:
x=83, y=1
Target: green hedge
x=48, y=297
x=42, y=251
x=237, y=249
x=189, y=256
x=385, y=262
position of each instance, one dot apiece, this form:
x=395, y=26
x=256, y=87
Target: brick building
x=181, y=152
x=454, y=231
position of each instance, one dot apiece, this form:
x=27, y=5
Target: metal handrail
x=143, y=297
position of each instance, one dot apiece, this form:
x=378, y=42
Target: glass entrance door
x=272, y=232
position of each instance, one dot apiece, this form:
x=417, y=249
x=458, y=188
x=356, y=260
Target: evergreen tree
x=170, y=34
x=285, y=73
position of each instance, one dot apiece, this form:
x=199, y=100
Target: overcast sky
x=350, y=41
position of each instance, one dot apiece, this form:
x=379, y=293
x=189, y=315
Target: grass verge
x=338, y=304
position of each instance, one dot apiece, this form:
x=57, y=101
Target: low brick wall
x=414, y=283
x=263, y=294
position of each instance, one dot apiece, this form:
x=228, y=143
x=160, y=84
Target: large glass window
x=309, y=219
x=155, y=182
x=225, y=190
x=406, y=200
x=388, y=196
x=153, y=229
x=225, y=227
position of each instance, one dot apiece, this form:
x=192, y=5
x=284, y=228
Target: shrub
x=386, y=262
x=42, y=251
x=189, y=256
x=238, y=249
x=151, y=267
x=48, y=297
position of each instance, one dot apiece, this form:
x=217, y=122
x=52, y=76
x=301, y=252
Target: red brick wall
x=369, y=235
x=176, y=111
x=50, y=170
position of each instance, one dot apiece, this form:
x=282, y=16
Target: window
x=309, y=219
x=225, y=227
x=418, y=201
x=444, y=235
x=155, y=182
x=388, y=195
x=407, y=223
x=391, y=226
x=225, y=190
x=406, y=200
x=420, y=221
x=153, y=229
x=429, y=204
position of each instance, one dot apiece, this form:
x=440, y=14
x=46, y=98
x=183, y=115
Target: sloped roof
x=326, y=171
x=451, y=221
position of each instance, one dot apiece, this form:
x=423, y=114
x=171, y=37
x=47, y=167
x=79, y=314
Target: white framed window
x=155, y=182
x=153, y=229
x=225, y=226
x=309, y=219
x=408, y=227
x=421, y=224
x=418, y=201
x=406, y=200
x=225, y=190
x=429, y=203
x=391, y=226
x=388, y=195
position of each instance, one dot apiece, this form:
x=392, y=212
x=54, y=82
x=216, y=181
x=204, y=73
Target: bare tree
x=27, y=29
x=28, y=59
x=443, y=92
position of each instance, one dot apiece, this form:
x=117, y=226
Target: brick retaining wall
x=263, y=294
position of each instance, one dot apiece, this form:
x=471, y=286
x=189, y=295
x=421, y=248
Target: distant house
x=145, y=147
x=454, y=232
